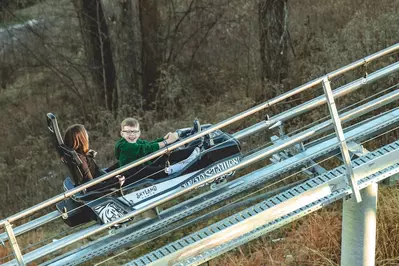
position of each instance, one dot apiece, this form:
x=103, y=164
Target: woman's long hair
x=77, y=139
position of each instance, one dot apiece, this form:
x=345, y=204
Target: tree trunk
x=125, y=33
x=98, y=52
x=151, y=55
x=273, y=41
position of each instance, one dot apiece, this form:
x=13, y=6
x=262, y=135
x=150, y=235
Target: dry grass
x=6, y=253
x=316, y=239
x=387, y=252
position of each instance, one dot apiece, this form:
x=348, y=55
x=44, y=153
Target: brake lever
x=209, y=140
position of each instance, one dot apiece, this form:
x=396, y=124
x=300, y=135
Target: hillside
x=213, y=76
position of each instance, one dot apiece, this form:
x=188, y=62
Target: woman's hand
x=121, y=179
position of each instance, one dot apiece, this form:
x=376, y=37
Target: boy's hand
x=172, y=137
x=167, y=135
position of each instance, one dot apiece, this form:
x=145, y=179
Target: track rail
x=321, y=147
x=219, y=125
x=275, y=212
x=31, y=225
x=137, y=232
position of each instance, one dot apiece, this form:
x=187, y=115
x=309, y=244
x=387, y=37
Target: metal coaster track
x=363, y=131
x=273, y=213
x=244, y=183
x=318, y=148
x=260, y=126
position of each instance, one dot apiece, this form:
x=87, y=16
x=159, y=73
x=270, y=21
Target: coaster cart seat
x=105, y=202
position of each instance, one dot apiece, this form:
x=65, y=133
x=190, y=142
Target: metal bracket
x=14, y=244
x=273, y=124
x=357, y=149
x=341, y=138
x=292, y=151
x=365, y=69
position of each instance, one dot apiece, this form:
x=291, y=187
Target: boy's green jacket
x=126, y=152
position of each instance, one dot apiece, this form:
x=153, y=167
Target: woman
x=76, y=138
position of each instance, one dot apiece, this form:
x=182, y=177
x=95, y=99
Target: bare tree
x=127, y=35
x=151, y=54
x=273, y=40
x=98, y=51
x=135, y=47
x=123, y=19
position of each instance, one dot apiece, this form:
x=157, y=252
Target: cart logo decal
x=213, y=171
x=109, y=212
x=145, y=193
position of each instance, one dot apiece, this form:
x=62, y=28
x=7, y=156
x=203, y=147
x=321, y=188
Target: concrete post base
x=359, y=222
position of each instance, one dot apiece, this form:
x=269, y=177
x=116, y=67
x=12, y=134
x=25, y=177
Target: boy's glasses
x=131, y=132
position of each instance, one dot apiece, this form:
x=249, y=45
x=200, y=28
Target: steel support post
x=341, y=138
x=359, y=222
x=14, y=244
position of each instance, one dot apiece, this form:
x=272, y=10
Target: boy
x=131, y=148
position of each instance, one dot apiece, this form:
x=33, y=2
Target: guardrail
x=324, y=80
x=222, y=124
